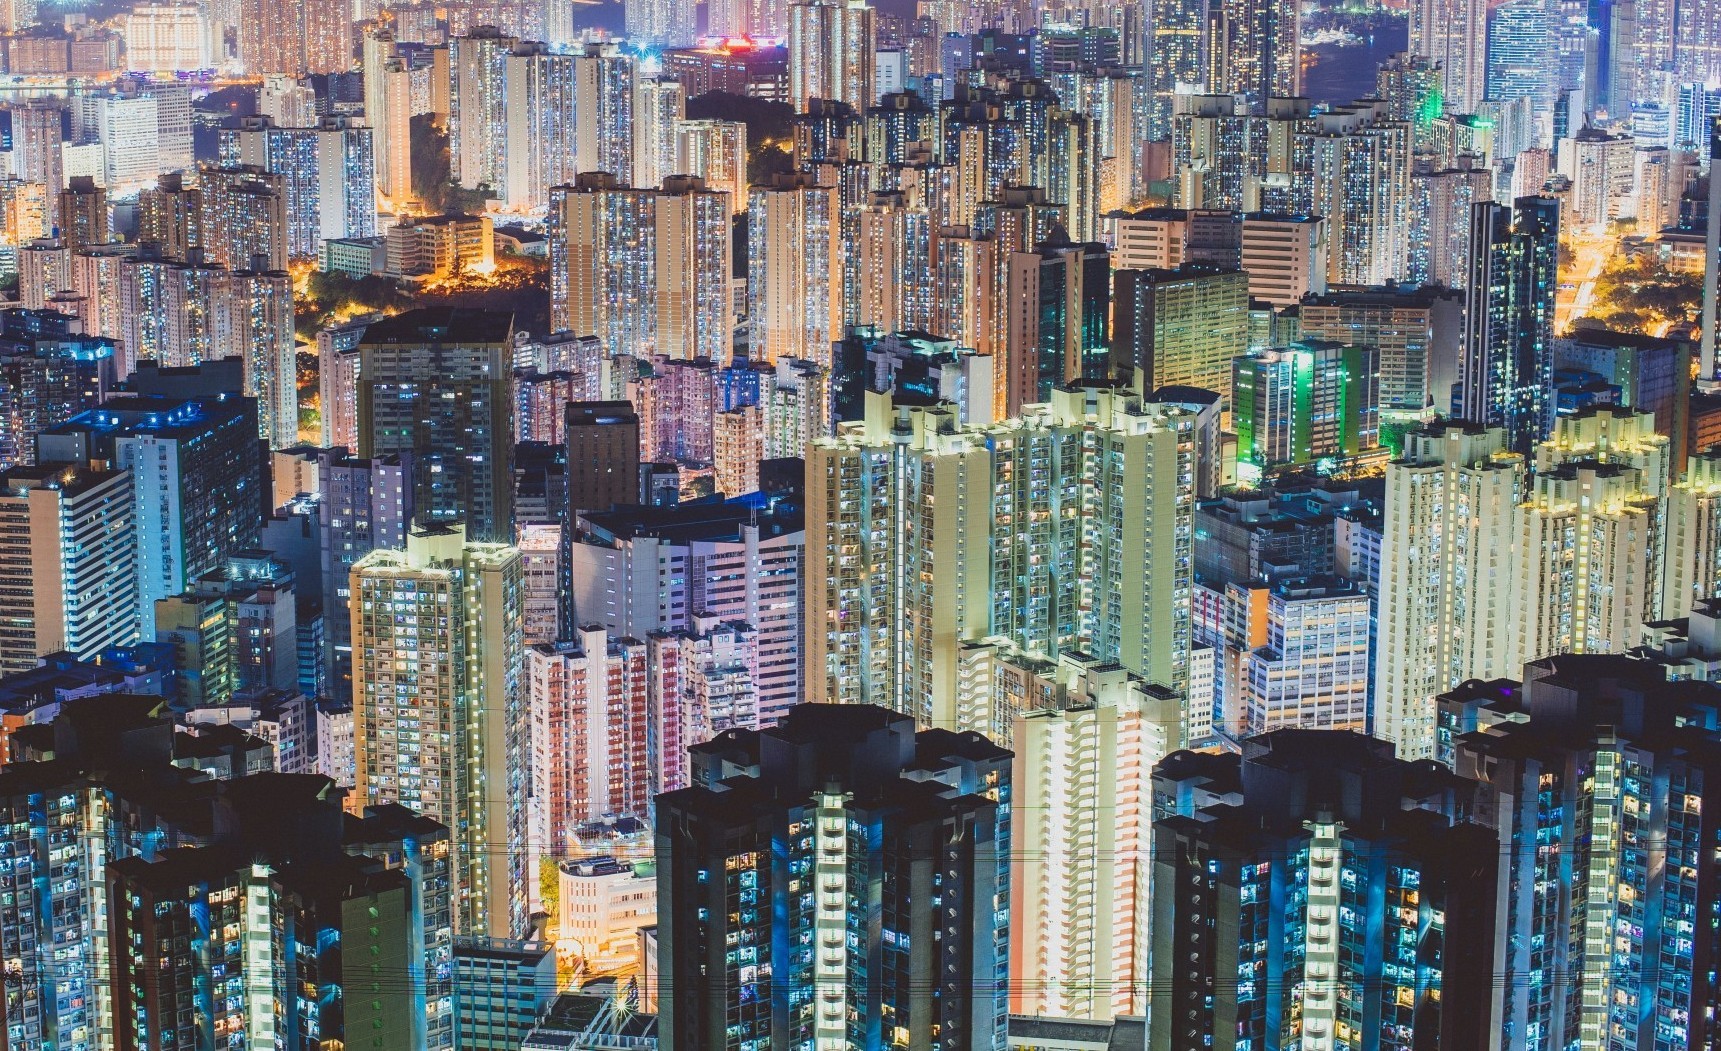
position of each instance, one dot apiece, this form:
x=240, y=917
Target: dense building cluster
x=798, y=525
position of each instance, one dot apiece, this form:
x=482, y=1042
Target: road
x=1591, y=255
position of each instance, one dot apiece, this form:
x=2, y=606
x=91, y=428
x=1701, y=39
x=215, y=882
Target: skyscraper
x=1454, y=33
x=328, y=176
x=70, y=563
x=1177, y=31
x=170, y=217
x=245, y=857
x=1080, y=881
x=1604, y=767
x=51, y=373
x=388, y=113
x=1444, y=578
x=196, y=481
x=1181, y=326
x=364, y=505
x=433, y=382
x=478, y=107
x=1441, y=204
x=661, y=23
x=1314, y=671
x=588, y=709
x=716, y=151
x=1417, y=334
x=1305, y=402
x=603, y=455
x=1520, y=37
x=795, y=305
x=1254, y=49
x=831, y=45
x=253, y=321
x=1059, y=299
x=1711, y=264
x=647, y=271
x=1588, y=549
x=242, y=218
x=730, y=563
x=828, y=795
x=439, y=703
x=604, y=108
x=659, y=105
x=1364, y=862
x=83, y=214
x=1507, y=369
x=38, y=132
x=903, y=594
x=1352, y=165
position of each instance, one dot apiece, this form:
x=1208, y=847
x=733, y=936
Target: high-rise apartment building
x=1691, y=566
x=51, y=371
x=478, y=107
x=592, y=756
x=661, y=23
x=1352, y=165
x=439, y=704
x=1454, y=33
x=1604, y=767
x=83, y=214
x=197, y=492
x=38, y=135
x=1253, y=50
x=1507, y=370
x=170, y=217
x=243, y=219
x=831, y=46
x=1589, y=536
x=874, y=809
x=564, y=114
x=1081, y=788
x=388, y=114
x=1177, y=34
x=979, y=554
x=716, y=151
x=1485, y=566
x=433, y=383
x=365, y=504
x=1441, y=203
x=1603, y=172
x=604, y=454
x=643, y=572
x=253, y=321
x=1444, y=578
x=795, y=303
x=271, y=859
x=328, y=176
x=1312, y=876
x=647, y=271
x=1416, y=332
x=1313, y=672
x=1059, y=297
x=1304, y=403
x=168, y=38
x=69, y=565
x=315, y=37
x=1181, y=326
x=659, y=105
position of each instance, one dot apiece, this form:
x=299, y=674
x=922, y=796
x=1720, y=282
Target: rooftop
x=442, y=325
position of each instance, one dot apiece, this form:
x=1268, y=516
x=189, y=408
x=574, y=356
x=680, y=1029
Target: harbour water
x=1341, y=73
